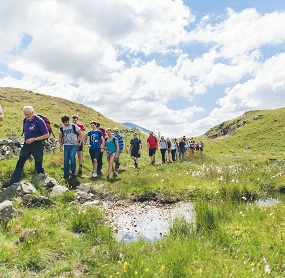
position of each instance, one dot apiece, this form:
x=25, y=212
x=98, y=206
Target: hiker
x=111, y=145
x=80, y=147
x=94, y=136
x=201, y=146
x=152, y=146
x=181, y=148
x=35, y=131
x=1, y=114
x=121, y=146
x=173, y=149
x=70, y=137
x=168, y=149
x=163, y=148
x=135, y=149
x=100, y=158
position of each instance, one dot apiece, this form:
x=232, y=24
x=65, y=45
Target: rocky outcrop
x=11, y=147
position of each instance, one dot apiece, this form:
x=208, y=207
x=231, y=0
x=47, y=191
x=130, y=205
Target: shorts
x=135, y=153
x=94, y=153
x=80, y=147
x=110, y=154
x=151, y=152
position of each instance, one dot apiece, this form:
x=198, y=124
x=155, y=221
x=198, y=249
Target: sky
x=175, y=67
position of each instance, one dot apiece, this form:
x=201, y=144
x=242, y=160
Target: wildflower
x=146, y=270
x=136, y=273
x=200, y=270
x=163, y=267
x=244, y=198
x=267, y=269
x=162, y=180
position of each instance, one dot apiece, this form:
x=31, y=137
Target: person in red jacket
x=152, y=144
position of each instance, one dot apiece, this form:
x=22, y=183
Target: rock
x=31, y=200
x=58, y=190
x=83, y=197
x=17, y=189
x=7, y=212
x=25, y=236
x=92, y=203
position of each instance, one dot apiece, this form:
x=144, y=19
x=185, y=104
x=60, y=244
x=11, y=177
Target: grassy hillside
x=13, y=100
x=255, y=132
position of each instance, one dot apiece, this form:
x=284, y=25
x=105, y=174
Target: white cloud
x=130, y=59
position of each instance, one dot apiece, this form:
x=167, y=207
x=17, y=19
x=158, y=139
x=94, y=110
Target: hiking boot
x=136, y=164
x=107, y=177
x=117, y=165
x=73, y=174
x=94, y=175
x=99, y=173
x=115, y=175
x=79, y=172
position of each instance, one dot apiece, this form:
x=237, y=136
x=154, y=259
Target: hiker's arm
x=80, y=138
x=103, y=144
x=117, y=145
x=60, y=141
x=1, y=116
x=39, y=138
x=88, y=141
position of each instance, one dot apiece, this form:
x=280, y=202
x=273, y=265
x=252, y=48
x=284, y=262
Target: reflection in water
x=147, y=221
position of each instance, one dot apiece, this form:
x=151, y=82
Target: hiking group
x=36, y=129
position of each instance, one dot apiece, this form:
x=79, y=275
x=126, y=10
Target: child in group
x=110, y=144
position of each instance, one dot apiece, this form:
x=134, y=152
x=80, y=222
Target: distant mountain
x=131, y=125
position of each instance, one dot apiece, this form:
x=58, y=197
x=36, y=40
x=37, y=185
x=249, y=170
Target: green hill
x=257, y=132
x=13, y=100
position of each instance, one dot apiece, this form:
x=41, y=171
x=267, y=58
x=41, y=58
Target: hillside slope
x=13, y=100
x=258, y=130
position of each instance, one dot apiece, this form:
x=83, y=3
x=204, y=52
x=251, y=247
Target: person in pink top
x=80, y=147
x=152, y=144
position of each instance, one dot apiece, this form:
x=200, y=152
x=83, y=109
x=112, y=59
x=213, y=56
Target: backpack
x=47, y=122
x=45, y=119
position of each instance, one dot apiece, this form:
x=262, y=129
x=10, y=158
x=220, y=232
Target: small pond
x=149, y=221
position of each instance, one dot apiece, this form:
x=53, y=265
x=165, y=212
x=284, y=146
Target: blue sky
x=175, y=67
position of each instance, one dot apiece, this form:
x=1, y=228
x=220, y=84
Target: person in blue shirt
x=121, y=146
x=35, y=131
x=110, y=144
x=94, y=137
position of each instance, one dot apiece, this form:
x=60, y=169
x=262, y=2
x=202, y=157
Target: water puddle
x=146, y=221
x=267, y=202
